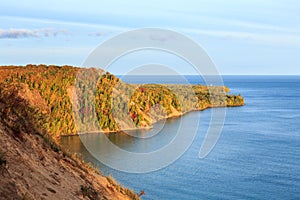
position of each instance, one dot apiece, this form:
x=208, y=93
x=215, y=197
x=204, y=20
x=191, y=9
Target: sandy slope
x=35, y=170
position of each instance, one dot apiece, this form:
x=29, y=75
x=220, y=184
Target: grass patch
x=130, y=193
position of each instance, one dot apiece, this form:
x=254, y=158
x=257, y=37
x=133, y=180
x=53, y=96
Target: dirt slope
x=33, y=168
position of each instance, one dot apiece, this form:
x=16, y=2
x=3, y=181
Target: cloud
x=260, y=26
x=53, y=22
x=29, y=33
x=236, y=24
x=265, y=38
x=100, y=33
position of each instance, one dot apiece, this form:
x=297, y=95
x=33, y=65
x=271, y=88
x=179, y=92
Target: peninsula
x=118, y=105
x=37, y=107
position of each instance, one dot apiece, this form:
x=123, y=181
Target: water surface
x=256, y=157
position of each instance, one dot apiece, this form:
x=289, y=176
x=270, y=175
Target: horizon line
x=207, y=75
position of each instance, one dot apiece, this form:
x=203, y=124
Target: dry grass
x=130, y=193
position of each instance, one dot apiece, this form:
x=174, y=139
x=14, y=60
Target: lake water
x=256, y=157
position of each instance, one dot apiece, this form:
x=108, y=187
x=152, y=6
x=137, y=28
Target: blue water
x=256, y=157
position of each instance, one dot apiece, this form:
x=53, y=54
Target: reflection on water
x=127, y=153
x=136, y=141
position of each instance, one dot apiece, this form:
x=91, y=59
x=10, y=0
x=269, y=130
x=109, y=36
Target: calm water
x=256, y=157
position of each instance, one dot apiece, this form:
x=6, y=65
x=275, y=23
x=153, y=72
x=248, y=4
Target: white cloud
x=26, y=33
x=238, y=24
x=260, y=26
x=288, y=39
x=66, y=23
x=228, y=29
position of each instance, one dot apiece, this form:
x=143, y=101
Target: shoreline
x=151, y=126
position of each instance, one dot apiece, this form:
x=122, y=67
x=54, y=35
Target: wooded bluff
x=50, y=91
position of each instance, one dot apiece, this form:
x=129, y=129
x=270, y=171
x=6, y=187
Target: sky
x=241, y=37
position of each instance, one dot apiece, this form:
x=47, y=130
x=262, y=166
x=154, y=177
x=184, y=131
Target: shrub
x=88, y=191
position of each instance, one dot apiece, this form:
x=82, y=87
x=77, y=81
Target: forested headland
x=50, y=91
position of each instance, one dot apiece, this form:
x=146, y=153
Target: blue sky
x=241, y=37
